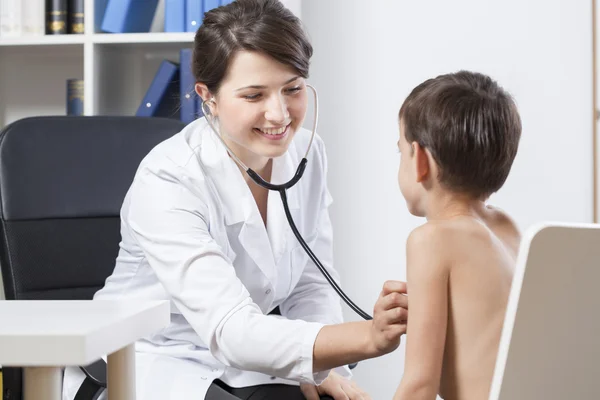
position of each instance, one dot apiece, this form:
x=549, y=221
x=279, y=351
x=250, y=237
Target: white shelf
x=152, y=37
x=116, y=68
x=101, y=38
x=47, y=40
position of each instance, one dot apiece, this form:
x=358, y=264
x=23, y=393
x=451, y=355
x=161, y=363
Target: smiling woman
x=194, y=231
x=260, y=106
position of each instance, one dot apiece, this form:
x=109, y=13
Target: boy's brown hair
x=470, y=125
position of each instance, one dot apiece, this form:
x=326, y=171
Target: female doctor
x=197, y=231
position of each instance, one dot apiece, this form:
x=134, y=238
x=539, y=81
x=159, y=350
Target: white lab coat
x=192, y=234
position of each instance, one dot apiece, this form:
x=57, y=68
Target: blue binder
x=193, y=15
x=225, y=2
x=162, y=97
x=125, y=16
x=174, y=15
x=186, y=88
x=210, y=4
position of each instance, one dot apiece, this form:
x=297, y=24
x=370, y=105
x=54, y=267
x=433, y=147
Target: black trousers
x=220, y=391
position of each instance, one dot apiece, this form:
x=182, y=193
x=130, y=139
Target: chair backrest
x=62, y=183
x=550, y=344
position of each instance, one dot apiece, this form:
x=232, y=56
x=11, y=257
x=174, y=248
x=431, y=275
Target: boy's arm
x=427, y=273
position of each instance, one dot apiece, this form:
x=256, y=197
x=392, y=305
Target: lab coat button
x=268, y=291
x=203, y=378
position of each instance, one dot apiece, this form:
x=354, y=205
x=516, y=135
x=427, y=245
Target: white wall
x=369, y=55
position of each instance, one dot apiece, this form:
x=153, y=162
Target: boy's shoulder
x=427, y=235
x=436, y=234
x=503, y=219
x=428, y=248
x=449, y=240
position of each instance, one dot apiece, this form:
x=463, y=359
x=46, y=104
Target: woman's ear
x=206, y=96
x=422, y=161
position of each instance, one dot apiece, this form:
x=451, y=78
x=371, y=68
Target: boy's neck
x=447, y=205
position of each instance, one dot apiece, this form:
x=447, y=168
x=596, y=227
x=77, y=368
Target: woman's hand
x=335, y=386
x=390, y=315
x=350, y=342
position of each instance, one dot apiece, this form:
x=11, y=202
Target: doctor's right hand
x=390, y=315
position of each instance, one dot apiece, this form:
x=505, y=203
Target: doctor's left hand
x=335, y=386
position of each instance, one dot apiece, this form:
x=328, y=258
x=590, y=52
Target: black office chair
x=62, y=183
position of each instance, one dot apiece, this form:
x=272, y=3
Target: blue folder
x=194, y=11
x=188, y=95
x=174, y=15
x=225, y=2
x=210, y=4
x=162, y=97
x=125, y=16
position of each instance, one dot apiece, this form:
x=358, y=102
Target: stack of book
x=129, y=16
x=186, y=15
x=171, y=93
x=41, y=17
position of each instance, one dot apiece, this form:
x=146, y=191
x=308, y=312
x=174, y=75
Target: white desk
x=44, y=336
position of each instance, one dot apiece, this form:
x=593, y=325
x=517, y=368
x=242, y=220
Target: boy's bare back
x=476, y=254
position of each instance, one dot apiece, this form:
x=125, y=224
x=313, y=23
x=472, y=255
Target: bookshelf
x=116, y=68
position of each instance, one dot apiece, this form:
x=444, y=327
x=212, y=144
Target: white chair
x=550, y=344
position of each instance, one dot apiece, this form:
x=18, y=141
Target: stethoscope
x=281, y=188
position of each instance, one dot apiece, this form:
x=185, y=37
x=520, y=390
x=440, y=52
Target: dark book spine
x=74, y=97
x=56, y=17
x=76, y=16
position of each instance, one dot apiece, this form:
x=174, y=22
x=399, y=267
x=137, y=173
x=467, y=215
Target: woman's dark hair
x=470, y=125
x=264, y=26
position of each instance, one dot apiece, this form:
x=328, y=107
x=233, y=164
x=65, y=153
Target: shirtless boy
x=459, y=135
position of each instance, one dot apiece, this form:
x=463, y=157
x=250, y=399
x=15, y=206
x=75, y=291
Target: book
x=74, y=97
x=75, y=14
x=33, y=17
x=98, y=12
x=162, y=97
x=174, y=15
x=56, y=17
x=10, y=18
x=193, y=15
x=126, y=16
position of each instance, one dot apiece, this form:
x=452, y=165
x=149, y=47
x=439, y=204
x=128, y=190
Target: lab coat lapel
x=278, y=229
x=238, y=205
x=254, y=239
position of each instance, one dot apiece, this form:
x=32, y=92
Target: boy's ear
x=421, y=160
